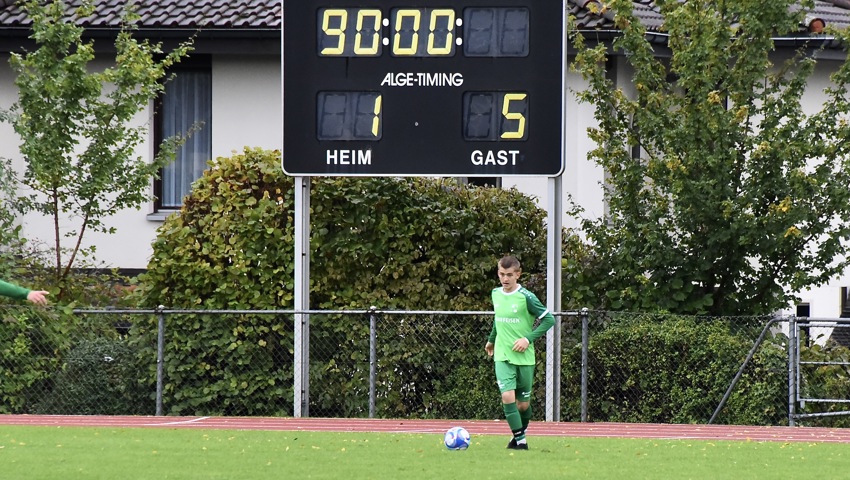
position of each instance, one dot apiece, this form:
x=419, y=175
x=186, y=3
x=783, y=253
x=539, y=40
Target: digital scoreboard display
x=388, y=88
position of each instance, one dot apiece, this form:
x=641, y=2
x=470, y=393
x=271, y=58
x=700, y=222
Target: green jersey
x=9, y=290
x=515, y=314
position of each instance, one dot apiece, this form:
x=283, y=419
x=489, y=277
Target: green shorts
x=515, y=377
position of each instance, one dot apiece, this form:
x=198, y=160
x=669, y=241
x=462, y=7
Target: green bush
x=98, y=378
x=32, y=342
x=417, y=243
x=394, y=243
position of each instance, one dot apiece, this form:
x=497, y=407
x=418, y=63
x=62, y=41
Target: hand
x=521, y=344
x=489, y=349
x=38, y=297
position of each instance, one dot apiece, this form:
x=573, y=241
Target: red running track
x=475, y=427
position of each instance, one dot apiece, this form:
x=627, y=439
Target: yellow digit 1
x=506, y=107
x=449, y=15
x=339, y=32
x=376, y=122
x=400, y=16
x=375, y=15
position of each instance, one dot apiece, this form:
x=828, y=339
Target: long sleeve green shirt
x=11, y=290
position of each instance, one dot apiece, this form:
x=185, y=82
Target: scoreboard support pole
x=553, y=299
x=554, y=256
x=301, y=403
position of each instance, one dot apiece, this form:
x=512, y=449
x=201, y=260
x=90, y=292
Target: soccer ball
x=457, y=438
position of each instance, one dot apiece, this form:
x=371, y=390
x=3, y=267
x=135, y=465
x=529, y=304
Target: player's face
x=509, y=278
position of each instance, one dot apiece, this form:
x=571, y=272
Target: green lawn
x=34, y=453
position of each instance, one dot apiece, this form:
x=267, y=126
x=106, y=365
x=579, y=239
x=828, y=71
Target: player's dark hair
x=509, y=261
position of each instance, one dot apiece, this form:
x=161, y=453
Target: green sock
x=525, y=415
x=514, y=420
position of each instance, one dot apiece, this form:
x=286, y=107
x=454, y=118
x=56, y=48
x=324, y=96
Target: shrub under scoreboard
x=395, y=88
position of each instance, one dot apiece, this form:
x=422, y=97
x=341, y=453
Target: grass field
x=37, y=452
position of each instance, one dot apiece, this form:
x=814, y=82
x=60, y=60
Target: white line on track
x=181, y=422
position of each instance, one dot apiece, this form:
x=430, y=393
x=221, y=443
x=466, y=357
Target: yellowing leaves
x=675, y=164
x=782, y=207
x=741, y=113
x=761, y=150
x=714, y=97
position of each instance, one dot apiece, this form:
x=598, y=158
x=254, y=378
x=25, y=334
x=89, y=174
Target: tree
x=75, y=123
x=737, y=199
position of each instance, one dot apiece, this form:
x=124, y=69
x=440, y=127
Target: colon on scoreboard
x=423, y=32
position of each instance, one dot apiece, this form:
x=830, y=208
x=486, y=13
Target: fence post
x=792, y=369
x=584, y=347
x=160, y=354
x=373, y=358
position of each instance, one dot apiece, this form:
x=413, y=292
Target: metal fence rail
x=612, y=366
x=820, y=388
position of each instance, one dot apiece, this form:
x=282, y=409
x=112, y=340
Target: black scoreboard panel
x=386, y=88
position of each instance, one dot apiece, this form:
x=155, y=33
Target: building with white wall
x=234, y=87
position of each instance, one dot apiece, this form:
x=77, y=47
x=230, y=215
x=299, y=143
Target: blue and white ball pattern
x=457, y=438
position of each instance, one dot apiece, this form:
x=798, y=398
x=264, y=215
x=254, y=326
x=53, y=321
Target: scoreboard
x=388, y=88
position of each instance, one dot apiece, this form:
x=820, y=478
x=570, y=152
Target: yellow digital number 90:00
x=356, y=32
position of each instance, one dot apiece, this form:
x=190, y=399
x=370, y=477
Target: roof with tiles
x=166, y=14
x=266, y=14
x=591, y=15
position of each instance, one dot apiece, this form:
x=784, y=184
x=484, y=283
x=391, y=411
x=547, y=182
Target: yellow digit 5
x=506, y=107
x=342, y=15
x=375, y=15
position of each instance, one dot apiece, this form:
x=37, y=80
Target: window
x=185, y=109
x=495, y=182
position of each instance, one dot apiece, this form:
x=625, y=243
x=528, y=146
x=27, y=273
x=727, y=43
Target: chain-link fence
x=676, y=369
x=612, y=367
